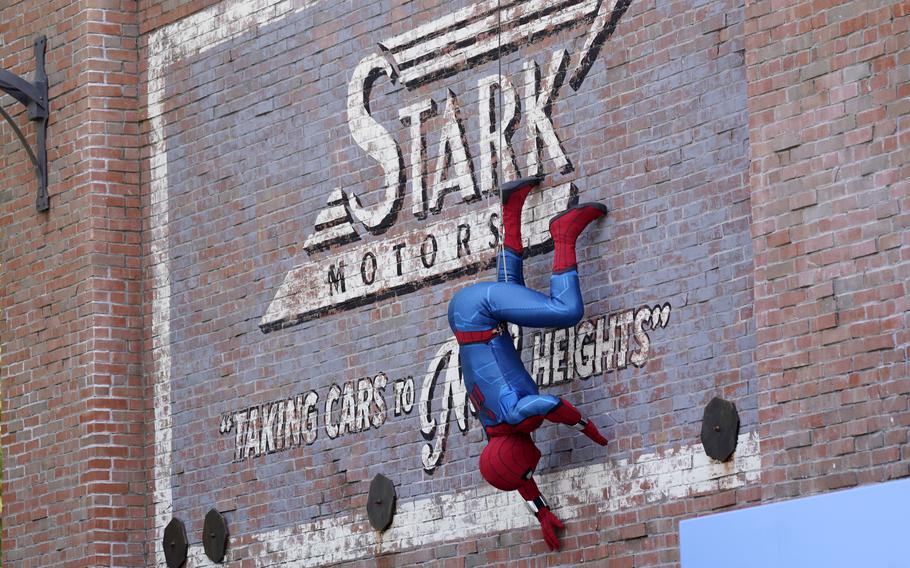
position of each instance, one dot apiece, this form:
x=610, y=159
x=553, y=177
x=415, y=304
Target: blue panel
x=866, y=527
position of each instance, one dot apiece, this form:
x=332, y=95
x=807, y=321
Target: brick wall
x=73, y=481
x=180, y=332
x=828, y=106
x=250, y=136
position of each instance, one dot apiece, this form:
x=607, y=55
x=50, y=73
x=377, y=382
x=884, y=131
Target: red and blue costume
x=507, y=400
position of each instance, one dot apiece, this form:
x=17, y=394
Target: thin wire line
x=499, y=158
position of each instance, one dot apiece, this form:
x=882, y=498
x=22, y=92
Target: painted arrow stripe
x=462, y=39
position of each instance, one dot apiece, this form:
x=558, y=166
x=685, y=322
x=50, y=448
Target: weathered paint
x=538, y=96
x=605, y=487
x=443, y=249
x=194, y=34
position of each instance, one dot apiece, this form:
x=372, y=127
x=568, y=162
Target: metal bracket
x=32, y=95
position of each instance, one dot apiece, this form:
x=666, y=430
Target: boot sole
x=599, y=206
x=507, y=189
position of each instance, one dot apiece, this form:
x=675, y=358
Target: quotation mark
x=227, y=423
x=660, y=315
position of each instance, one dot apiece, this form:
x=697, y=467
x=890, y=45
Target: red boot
x=591, y=431
x=514, y=194
x=565, y=228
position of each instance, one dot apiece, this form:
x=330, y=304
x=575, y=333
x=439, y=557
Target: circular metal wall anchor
x=381, y=502
x=720, y=429
x=175, y=543
x=215, y=536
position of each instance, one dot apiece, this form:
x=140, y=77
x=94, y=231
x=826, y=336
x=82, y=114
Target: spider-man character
x=507, y=400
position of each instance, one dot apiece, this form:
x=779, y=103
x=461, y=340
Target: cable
x=500, y=257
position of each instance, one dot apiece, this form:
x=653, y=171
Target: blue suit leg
x=510, y=267
x=525, y=307
x=485, y=305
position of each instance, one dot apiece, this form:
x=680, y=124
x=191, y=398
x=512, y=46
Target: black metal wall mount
x=32, y=95
x=175, y=543
x=215, y=535
x=720, y=429
x=381, y=502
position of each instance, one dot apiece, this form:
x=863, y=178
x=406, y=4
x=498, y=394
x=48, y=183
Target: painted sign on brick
x=595, y=346
x=441, y=249
x=308, y=234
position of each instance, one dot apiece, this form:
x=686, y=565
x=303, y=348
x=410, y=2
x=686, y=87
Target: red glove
x=591, y=431
x=548, y=525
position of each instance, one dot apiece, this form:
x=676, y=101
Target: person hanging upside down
x=505, y=397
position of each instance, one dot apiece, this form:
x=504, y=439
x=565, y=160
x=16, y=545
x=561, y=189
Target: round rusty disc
x=381, y=502
x=175, y=543
x=214, y=536
x=720, y=429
